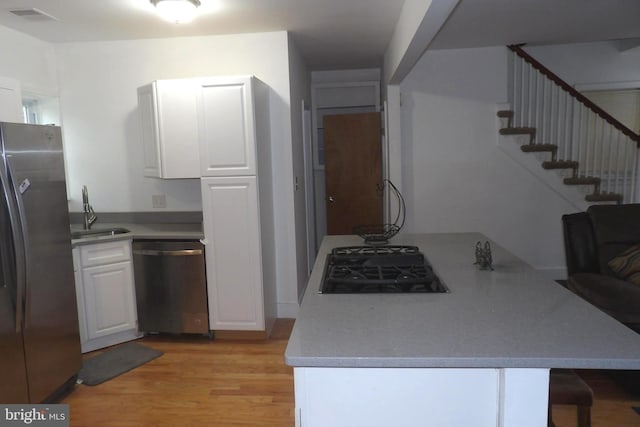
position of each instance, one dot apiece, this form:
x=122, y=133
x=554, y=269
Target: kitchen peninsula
x=478, y=355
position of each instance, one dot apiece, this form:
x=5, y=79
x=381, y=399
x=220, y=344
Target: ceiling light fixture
x=178, y=11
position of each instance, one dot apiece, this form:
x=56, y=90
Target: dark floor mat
x=114, y=362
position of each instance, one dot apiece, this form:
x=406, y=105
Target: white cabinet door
x=109, y=299
x=227, y=126
x=10, y=101
x=168, y=117
x=233, y=253
x=149, y=131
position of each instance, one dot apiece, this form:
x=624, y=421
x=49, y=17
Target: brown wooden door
x=353, y=171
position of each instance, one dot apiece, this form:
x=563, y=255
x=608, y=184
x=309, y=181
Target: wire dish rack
x=379, y=234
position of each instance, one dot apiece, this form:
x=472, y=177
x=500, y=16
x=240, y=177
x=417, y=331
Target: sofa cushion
x=618, y=298
x=626, y=265
x=616, y=227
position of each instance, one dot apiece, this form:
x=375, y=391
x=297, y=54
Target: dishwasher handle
x=156, y=252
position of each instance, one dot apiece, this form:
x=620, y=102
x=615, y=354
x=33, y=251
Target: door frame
x=340, y=99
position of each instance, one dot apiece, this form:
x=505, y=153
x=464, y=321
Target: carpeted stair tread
x=518, y=131
x=539, y=148
x=505, y=113
x=582, y=180
x=560, y=164
x=555, y=164
x=604, y=197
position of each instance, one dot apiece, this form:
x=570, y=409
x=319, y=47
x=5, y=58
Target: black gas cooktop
x=379, y=269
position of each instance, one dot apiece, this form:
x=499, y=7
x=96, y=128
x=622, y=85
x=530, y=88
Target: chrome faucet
x=89, y=214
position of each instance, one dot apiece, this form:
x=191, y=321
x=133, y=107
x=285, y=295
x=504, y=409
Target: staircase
x=587, y=145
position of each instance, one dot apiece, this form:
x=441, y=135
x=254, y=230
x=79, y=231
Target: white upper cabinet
x=227, y=126
x=168, y=117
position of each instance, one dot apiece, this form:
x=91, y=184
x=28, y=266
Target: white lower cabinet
x=106, y=294
x=410, y=397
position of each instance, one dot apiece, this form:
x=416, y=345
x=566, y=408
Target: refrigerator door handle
x=18, y=243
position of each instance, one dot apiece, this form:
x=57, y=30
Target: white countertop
x=173, y=231
x=507, y=318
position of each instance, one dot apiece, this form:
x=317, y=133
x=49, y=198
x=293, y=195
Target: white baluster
x=600, y=141
x=633, y=197
x=588, y=143
x=610, y=144
x=553, y=123
x=579, y=138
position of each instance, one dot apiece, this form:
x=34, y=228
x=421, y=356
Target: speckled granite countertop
x=176, y=231
x=511, y=317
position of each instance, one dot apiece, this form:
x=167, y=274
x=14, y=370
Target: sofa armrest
x=618, y=298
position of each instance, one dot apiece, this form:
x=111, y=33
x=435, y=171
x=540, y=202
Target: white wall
x=455, y=178
x=590, y=63
x=299, y=78
x=98, y=82
x=29, y=60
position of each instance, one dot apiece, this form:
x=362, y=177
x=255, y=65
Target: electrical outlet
x=159, y=201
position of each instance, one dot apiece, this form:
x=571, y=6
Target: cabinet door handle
x=184, y=252
x=331, y=199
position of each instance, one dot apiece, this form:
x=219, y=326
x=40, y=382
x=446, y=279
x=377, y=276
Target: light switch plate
x=158, y=201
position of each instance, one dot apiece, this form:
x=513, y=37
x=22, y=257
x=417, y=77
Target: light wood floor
x=200, y=382
x=197, y=382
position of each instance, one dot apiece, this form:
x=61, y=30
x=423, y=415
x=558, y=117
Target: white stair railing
x=603, y=147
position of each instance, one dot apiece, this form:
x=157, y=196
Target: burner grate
x=389, y=269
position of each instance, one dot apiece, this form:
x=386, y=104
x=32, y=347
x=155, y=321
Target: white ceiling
x=330, y=33
x=335, y=34
x=476, y=23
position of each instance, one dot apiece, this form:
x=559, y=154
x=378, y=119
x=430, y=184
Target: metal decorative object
x=484, y=260
x=379, y=234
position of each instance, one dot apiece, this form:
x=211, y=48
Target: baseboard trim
x=241, y=335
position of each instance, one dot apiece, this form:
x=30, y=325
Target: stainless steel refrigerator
x=39, y=339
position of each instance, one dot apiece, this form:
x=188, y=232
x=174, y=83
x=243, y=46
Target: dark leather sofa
x=592, y=239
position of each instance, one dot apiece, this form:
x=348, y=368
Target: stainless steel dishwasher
x=171, y=290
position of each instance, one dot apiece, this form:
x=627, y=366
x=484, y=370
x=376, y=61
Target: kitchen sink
x=101, y=232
